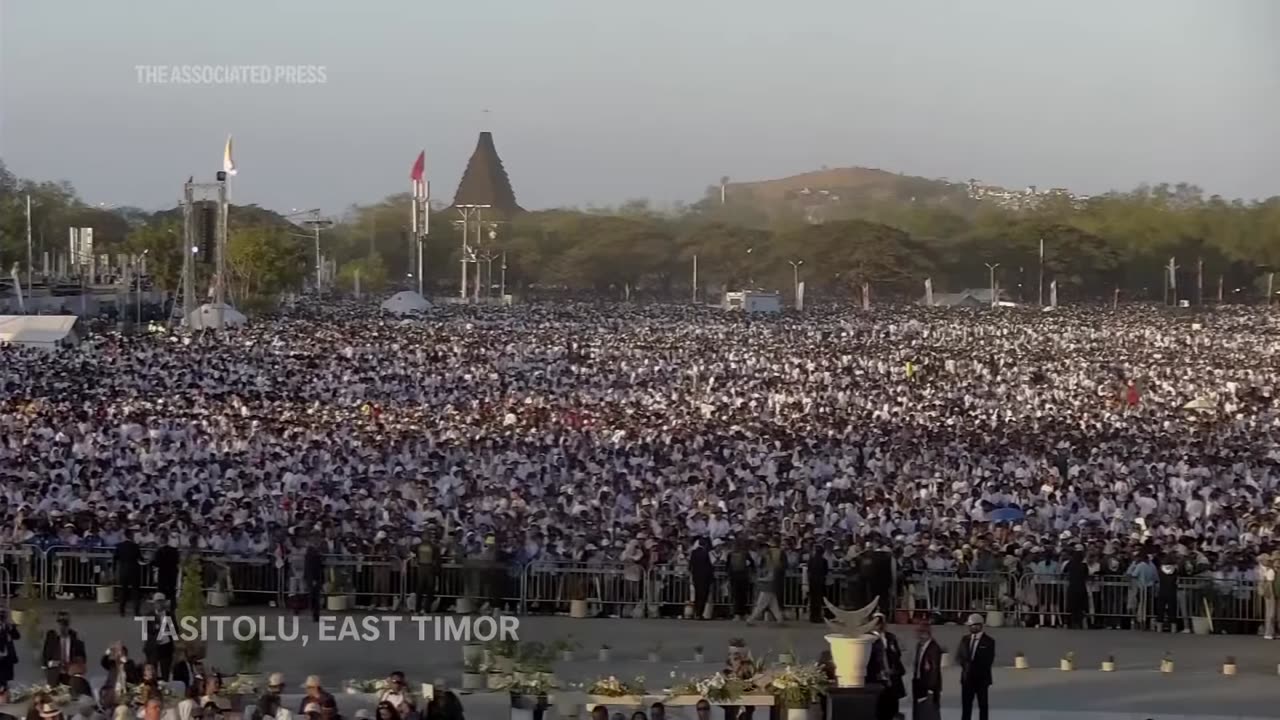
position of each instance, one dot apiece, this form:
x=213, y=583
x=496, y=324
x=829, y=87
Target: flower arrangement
x=613, y=687
x=796, y=686
x=139, y=694
x=366, y=686
x=537, y=683
x=716, y=688
x=240, y=686
x=57, y=694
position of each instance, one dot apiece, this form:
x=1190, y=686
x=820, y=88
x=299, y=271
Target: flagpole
x=30, y=262
x=1040, y=292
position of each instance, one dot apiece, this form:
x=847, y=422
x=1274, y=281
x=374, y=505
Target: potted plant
x=788, y=657
x=190, y=602
x=529, y=697
x=28, y=622
x=796, y=688
x=698, y=657
x=655, y=652
x=473, y=650
x=1068, y=662
x=1020, y=661
x=248, y=656
x=1109, y=665
x=1229, y=666
x=1166, y=664
x=28, y=595
x=535, y=659
x=578, y=586
x=603, y=655
x=564, y=648
x=334, y=599
x=473, y=675
x=502, y=654
x=106, y=588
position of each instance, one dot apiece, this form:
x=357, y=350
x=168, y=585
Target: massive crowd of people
x=1067, y=444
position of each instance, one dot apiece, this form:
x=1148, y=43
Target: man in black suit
x=61, y=647
x=703, y=573
x=129, y=573
x=816, y=569
x=886, y=664
x=926, y=676
x=8, y=650
x=167, y=562
x=313, y=575
x=975, y=656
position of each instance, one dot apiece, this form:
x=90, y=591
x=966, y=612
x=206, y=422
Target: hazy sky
x=598, y=101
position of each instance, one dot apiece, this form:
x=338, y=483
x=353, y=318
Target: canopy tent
x=205, y=317
x=406, y=302
x=42, y=331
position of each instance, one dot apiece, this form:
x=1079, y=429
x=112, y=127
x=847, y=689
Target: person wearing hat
x=444, y=703
x=61, y=646
x=44, y=709
x=316, y=695
x=975, y=656
x=158, y=645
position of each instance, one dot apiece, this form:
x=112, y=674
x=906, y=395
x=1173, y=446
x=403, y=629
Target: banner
x=866, y=296
x=928, y=292
x=1053, y=294
x=800, y=296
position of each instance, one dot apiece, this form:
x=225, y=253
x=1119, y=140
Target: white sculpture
x=851, y=642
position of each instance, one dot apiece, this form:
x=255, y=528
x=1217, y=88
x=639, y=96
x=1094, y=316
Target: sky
x=595, y=103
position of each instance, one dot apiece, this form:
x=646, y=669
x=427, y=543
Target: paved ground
x=1195, y=688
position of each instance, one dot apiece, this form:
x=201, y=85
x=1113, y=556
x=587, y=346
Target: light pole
x=503, y=281
x=795, y=278
x=992, y=269
x=137, y=275
x=751, y=281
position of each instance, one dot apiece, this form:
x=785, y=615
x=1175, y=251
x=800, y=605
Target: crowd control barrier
x=1199, y=603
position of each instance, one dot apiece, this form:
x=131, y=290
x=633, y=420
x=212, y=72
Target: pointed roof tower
x=485, y=181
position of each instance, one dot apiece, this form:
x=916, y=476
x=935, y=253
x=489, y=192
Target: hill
x=850, y=184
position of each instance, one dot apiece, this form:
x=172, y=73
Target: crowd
x=1061, y=445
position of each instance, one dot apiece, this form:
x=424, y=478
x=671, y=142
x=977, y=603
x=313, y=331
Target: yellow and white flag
x=228, y=164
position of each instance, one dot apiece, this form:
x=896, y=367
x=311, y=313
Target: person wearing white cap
x=975, y=656
x=159, y=643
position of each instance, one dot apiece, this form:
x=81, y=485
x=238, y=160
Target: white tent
x=406, y=302
x=42, y=331
x=205, y=317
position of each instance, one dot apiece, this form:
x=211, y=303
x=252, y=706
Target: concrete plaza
x=1135, y=690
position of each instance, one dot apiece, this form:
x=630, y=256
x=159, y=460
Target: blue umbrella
x=1006, y=514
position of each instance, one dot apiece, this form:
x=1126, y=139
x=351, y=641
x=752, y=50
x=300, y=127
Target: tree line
x=1120, y=240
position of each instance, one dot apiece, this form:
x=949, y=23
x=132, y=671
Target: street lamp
x=992, y=269
x=751, y=281
x=795, y=276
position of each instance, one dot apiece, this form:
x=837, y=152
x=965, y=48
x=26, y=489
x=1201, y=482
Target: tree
x=162, y=243
x=372, y=273
x=265, y=260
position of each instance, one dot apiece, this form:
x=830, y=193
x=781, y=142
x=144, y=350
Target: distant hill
x=851, y=184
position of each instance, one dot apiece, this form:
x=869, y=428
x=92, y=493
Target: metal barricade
x=75, y=573
x=25, y=567
x=614, y=589
x=1111, y=601
x=1233, y=606
x=955, y=595
x=375, y=582
x=5, y=593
